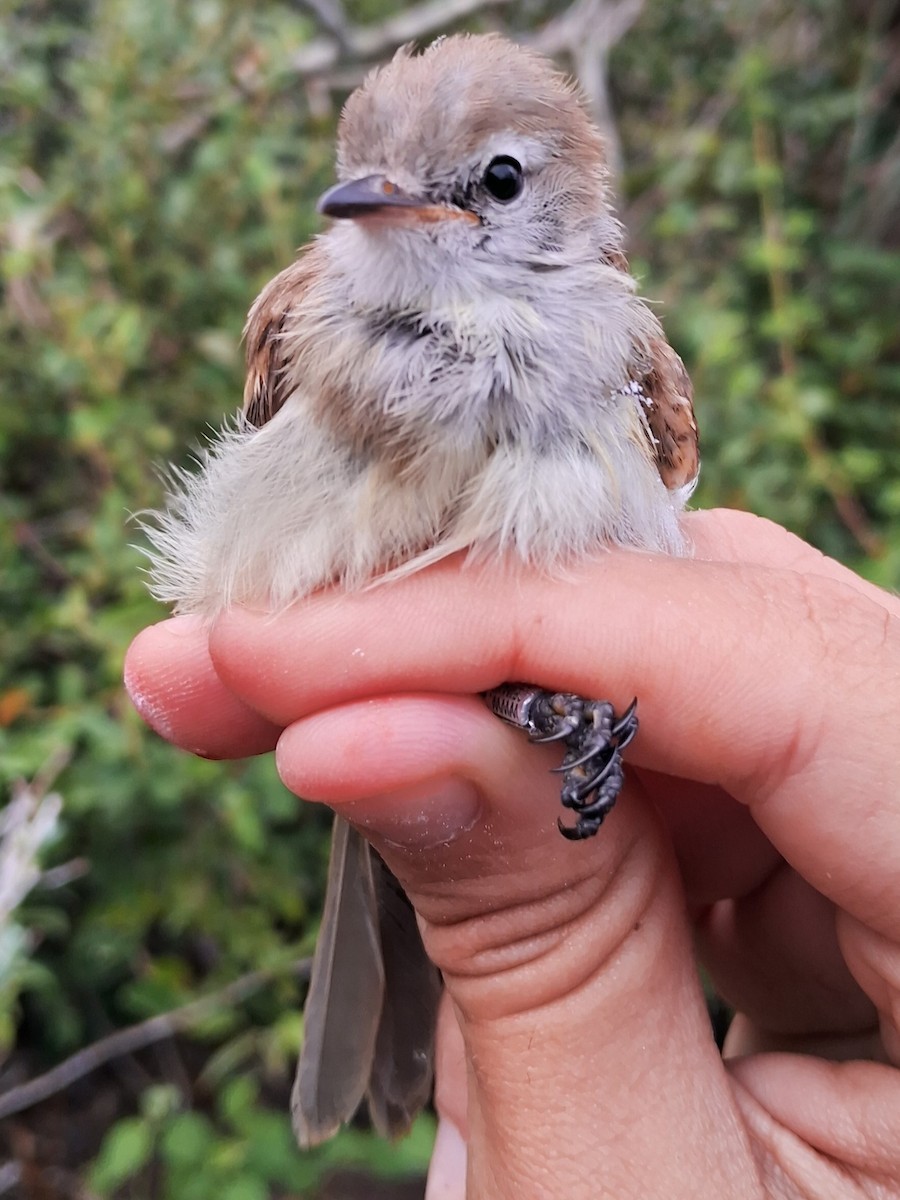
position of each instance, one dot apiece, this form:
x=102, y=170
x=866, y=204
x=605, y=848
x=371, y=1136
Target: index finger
x=778, y=685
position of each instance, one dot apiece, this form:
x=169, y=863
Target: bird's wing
x=267, y=385
x=666, y=395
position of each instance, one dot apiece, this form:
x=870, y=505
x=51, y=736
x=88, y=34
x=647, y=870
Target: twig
x=601, y=22
x=135, y=1037
x=330, y=15
x=366, y=42
x=65, y=873
x=28, y=538
x=587, y=32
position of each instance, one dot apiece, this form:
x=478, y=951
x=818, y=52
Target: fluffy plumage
x=417, y=387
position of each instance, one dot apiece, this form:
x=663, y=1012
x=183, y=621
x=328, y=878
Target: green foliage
x=155, y=169
x=752, y=129
x=241, y=1155
x=157, y=164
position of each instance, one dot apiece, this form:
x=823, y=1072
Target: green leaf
x=125, y=1151
x=244, y=1187
x=187, y=1141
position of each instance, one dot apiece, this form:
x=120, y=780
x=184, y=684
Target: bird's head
x=474, y=151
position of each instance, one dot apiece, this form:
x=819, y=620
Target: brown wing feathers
x=267, y=385
x=670, y=415
x=262, y=395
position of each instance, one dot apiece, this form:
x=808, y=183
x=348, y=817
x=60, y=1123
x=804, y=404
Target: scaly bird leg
x=594, y=739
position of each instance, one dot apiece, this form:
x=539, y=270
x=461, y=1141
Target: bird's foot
x=594, y=739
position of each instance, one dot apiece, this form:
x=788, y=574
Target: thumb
x=569, y=964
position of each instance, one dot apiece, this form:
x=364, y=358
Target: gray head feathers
x=432, y=121
x=443, y=104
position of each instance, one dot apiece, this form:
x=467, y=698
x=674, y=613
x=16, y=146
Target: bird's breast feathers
x=375, y=441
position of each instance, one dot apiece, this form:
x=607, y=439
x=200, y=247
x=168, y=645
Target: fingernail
x=447, y=1173
x=423, y=815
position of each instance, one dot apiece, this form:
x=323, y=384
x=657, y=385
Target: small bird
x=459, y=363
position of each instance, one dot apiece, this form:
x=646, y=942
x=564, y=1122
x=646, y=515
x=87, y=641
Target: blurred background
x=158, y=164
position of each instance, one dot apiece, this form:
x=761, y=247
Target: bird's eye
x=504, y=178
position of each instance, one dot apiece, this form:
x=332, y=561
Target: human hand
x=762, y=817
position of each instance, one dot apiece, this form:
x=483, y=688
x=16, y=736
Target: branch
x=365, y=42
x=135, y=1037
x=330, y=15
x=587, y=32
x=601, y=22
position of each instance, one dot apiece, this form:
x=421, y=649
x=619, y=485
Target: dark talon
x=605, y=799
x=628, y=736
x=590, y=785
x=573, y=833
x=580, y=830
x=554, y=711
x=625, y=731
x=592, y=768
x=590, y=817
x=579, y=762
x=626, y=719
x=552, y=737
x=605, y=794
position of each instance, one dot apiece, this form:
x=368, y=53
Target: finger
x=822, y=1128
x=774, y=955
x=766, y=938
x=721, y=851
x=447, y=1170
x=450, y=1088
x=726, y=535
x=560, y=957
x=779, y=687
x=449, y=1161
x=174, y=686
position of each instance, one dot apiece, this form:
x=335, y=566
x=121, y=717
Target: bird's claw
x=594, y=738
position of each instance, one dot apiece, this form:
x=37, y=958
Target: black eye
x=504, y=178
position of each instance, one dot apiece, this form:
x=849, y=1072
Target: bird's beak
x=376, y=198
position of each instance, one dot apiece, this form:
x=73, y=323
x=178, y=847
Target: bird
x=459, y=363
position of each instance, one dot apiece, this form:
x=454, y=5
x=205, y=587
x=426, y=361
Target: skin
x=759, y=831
